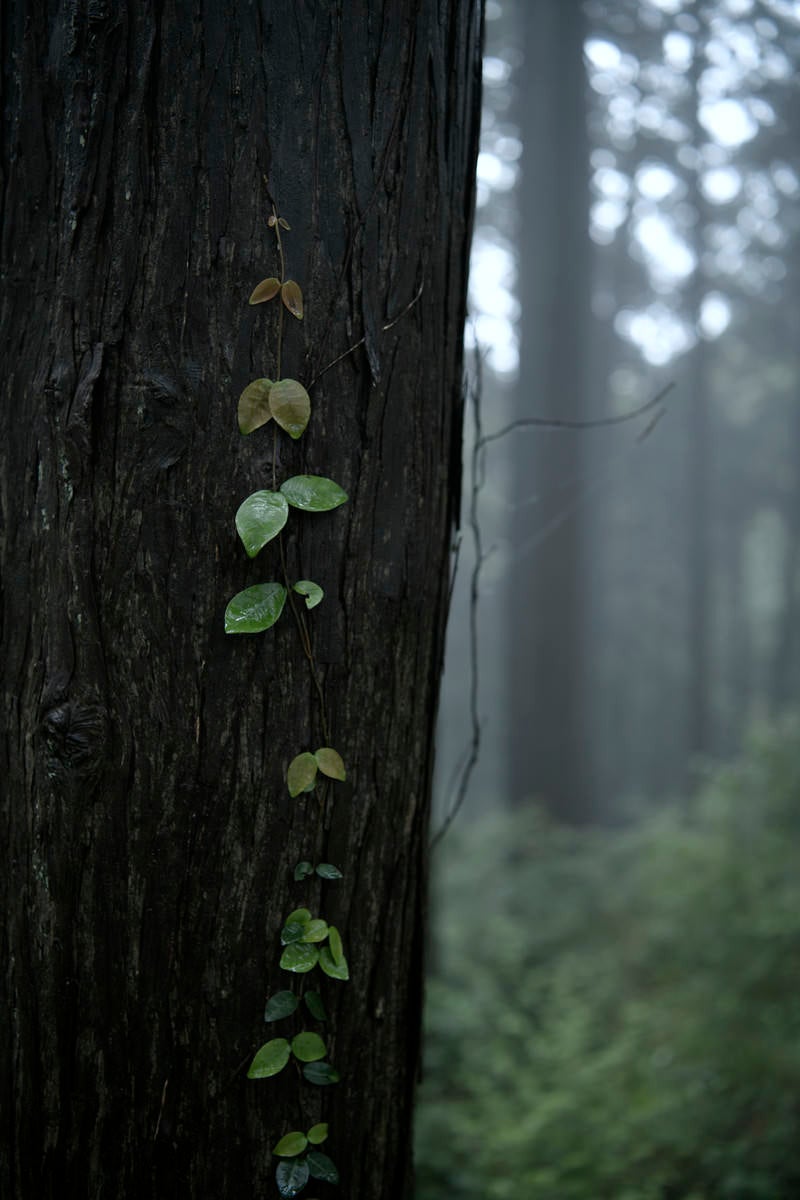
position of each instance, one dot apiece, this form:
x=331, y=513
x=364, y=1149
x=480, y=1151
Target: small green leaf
x=313, y=493
x=291, y=1144
x=301, y=774
x=308, y=1047
x=330, y=763
x=315, y=931
x=265, y=290
x=328, y=871
x=299, y=958
x=292, y=297
x=317, y=1134
x=322, y=1167
x=255, y=609
x=335, y=943
x=303, y=870
x=312, y=592
x=291, y=1176
x=282, y=1004
x=300, y=915
x=254, y=410
x=260, y=518
x=290, y=405
x=321, y=1073
x=331, y=967
x=293, y=931
x=315, y=1006
x=270, y=1059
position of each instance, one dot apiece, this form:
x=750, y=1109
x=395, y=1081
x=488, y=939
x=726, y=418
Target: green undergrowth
x=615, y=1015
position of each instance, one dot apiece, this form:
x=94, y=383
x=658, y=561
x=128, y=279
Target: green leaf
x=291, y=1144
x=321, y=1073
x=303, y=870
x=293, y=931
x=255, y=609
x=301, y=774
x=265, y=290
x=335, y=943
x=308, y=1047
x=312, y=592
x=317, y=1134
x=291, y=1176
x=315, y=1006
x=299, y=958
x=282, y=1004
x=330, y=763
x=293, y=297
x=322, y=1167
x=313, y=493
x=299, y=915
x=290, y=405
x=260, y=518
x=331, y=967
x=328, y=871
x=315, y=931
x=254, y=410
x=270, y=1059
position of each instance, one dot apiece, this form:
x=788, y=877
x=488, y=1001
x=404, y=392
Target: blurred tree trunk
x=148, y=838
x=546, y=724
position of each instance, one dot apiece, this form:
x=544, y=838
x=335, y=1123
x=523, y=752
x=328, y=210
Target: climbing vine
x=308, y=942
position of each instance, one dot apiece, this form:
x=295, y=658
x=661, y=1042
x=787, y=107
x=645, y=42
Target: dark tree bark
x=547, y=755
x=148, y=837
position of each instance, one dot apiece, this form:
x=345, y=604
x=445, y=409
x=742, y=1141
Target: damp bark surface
x=148, y=839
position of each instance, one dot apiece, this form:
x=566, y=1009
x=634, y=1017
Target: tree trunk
x=149, y=837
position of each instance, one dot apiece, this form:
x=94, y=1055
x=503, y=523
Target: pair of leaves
x=302, y=773
x=293, y=1174
x=273, y=1056
x=262, y=516
x=290, y=291
x=295, y=1142
x=283, y=1004
x=324, y=870
x=286, y=400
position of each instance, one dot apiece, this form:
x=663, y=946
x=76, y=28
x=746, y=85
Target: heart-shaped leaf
x=255, y=609
x=292, y=931
x=290, y=405
x=291, y=1176
x=265, y=290
x=254, y=410
x=260, y=518
x=313, y=493
x=293, y=298
x=331, y=967
x=312, y=592
x=322, y=1167
x=330, y=763
x=282, y=1004
x=328, y=871
x=291, y=1144
x=308, y=1047
x=303, y=870
x=315, y=931
x=317, y=1134
x=298, y=914
x=302, y=774
x=321, y=1073
x=315, y=1006
x=300, y=957
x=270, y=1059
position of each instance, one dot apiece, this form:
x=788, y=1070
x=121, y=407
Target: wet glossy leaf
x=315, y=1006
x=321, y=1073
x=315, y=931
x=328, y=871
x=291, y=1176
x=331, y=967
x=293, y=298
x=255, y=609
x=282, y=1004
x=260, y=518
x=303, y=870
x=308, y=1047
x=301, y=774
x=317, y=1134
x=290, y=405
x=254, y=410
x=291, y=1144
x=312, y=592
x=265, y=290
x=335, y=944
x=299, y=957
x=322, y=1167
x=292, y=932
x=330, y=763
x=313, y=493
x=270, y=1059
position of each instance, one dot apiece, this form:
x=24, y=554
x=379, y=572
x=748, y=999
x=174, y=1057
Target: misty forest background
x=614, y=997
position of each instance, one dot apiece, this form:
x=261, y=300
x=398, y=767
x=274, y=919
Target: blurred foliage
x=615, y=1014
